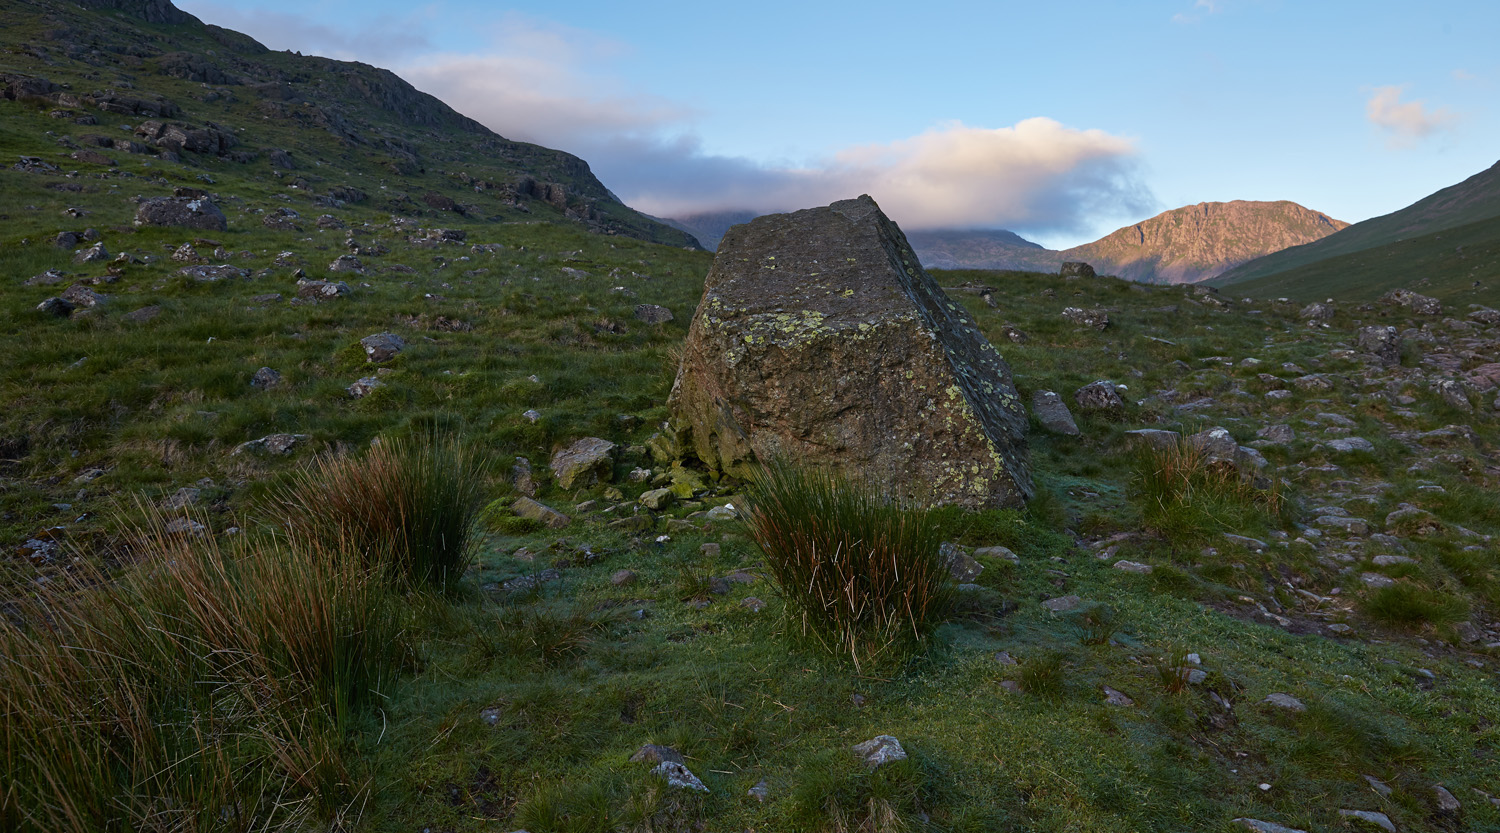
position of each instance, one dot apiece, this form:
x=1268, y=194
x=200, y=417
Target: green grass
x=861, y=573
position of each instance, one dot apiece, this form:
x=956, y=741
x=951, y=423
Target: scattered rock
x=653, y=314
x=1316, y=313
x=1062, y=604
x=81, y=296
x=584, y=463
x=880, y=750
x=322, y=290
x=1346, y=445
x=56, y=307
x=653, y=754
x=820, y=337
x=1133, y=567
x=210, y=274
x=265, y=379
x=1076, y=269
x=657, y=499
x=93, y=254
x=1370, y=818
x=1285, y=701
x=525, y=507
x=1454, y=394
x=1446, y=803
x=1003, y=553
x=753, y=604
x=1116, y=698
x=1052, y=412
x=961, y=566
x=1381, y=343
x=1099, y=397
x=678, y=776
x=1419, y=304
x=760, y=792
x=622, y=578
x=279, y=444
x=382, y=347
x=347, y=263
x=1156, y=438
x=1095, y=318
x=1265, y=826
x=186, y=527
x=364, y=387
x=181, y=212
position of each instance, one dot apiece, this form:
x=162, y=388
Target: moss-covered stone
x=820, y=338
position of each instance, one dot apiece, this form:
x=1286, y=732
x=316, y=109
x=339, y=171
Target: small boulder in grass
x=382, y=347
x=880, y=750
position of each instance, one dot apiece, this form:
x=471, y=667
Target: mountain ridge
x=1473, y=200
x=345, y=122
x=1184, y=245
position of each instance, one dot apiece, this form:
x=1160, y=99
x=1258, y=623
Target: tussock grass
x=407, y=507
x=1185, y=498
x=209, y=688
x=861, y=572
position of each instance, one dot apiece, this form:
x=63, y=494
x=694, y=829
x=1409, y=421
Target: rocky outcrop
x=181, y=212
x=821, y=339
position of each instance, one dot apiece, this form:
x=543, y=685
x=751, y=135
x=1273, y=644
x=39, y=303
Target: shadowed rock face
x=820, y=338
x=151, y=11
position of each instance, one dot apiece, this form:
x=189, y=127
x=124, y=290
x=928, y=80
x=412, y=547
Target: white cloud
x=1405, y=121
x=1037, y=175
x=555, y=86
x=1463, y=75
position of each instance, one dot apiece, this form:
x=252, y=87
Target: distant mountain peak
x=1185, y=245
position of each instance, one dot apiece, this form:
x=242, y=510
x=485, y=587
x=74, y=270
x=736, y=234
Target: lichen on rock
x=820, y=338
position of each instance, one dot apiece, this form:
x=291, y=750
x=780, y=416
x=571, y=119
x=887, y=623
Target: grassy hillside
x=236, y=677
x=1471, y=201
x=1459, y=265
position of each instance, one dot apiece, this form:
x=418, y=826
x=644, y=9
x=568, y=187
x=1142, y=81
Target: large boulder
x=820, y=338
x=181, y=212
x=1383, y=344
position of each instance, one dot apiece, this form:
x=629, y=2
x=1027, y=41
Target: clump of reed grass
x=1185, y=497
x=407, y=507
x=210, y=687
x=861, y=571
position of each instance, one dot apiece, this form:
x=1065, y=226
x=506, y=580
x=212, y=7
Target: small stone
x=525, y=507
x=184, y=526
x=657, y=499
x=709, y=550
x=654, y=754
x=265, y=379
x=1376, y=581
x=1062, y=604
x=753, y=604
x=622, y=578
x=1011, y=686
x=1097, y=319
x=1378, y=786
x=382, y=347
x=1153, y=438
x=56, y=307
x=1285, y=701
x=365, y=386
x=93, y=254
x=1446, y=803
x=279, y=444
x=653, y=314
x=1265, y=826
x=584, y=463
x=490, y=715
x=1100, y=396
x=181, y=499
x=1133, y=567
x=1346, y=445
x=1392, y=560
x=760, y=792
x=1003, y=553
x=678, y=776
x=880, y=750
x=1052, y=412
x=1115, y=698
x=1371, y=818
x=726, y=512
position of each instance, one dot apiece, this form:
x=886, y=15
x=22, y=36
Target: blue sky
x=1061, y=120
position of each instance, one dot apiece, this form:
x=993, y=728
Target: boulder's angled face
x=820, y=338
